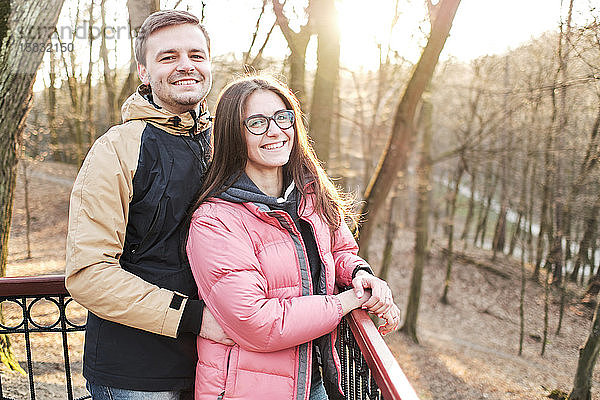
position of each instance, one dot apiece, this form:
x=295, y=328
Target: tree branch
x=255, y=34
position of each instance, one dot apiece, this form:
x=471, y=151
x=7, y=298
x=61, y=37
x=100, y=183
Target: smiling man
x=128, y=205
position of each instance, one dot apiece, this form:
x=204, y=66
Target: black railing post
x=63, y=326
x=343, y=355
x=26, y=317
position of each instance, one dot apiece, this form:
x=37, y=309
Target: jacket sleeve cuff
x=338, y=304
x=191, y=320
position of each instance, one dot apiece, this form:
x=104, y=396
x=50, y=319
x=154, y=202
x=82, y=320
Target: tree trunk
x=75, y=119
x=297, y=43
x=522, y=301
x=55, y=150
x=22, y=23
x=421, y=226
x=487, y=183
x=500, y=231
x=339, y=156
x=326, y=77
x=546, y=312
x=390, y=235
x=499, y=240
x=593, y=250
x=89, y=116
x=459, y=174
x=588, y=354
x=522, y=200
x=27, y=208
x=530, y=213
x=138, y=10
x=484, y=215
x=545, y=225
x=591, y=226
x=396, y=153
x=471, y=208
x=515, y=235
x=110, y=80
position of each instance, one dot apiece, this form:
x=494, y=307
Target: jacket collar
x=139, y=106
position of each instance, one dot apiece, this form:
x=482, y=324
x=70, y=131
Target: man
x=128, y=207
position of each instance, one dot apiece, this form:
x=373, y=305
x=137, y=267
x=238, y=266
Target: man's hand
x=381, y=300
x=210, y=329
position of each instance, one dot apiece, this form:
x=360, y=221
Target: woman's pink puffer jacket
x=251, y=270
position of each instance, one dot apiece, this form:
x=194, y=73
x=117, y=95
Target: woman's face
x=267, y=152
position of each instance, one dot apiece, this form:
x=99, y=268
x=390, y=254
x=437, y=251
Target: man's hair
x=161, y=19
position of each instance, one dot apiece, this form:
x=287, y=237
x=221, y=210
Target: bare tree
x=110, y=75
x=421, y=224
x=138, y=10
x=396, y=153
x=258, y=56
x=326, y=77
x=297, y=43
x=452, y=197
x=588, y=355
x=23, y=24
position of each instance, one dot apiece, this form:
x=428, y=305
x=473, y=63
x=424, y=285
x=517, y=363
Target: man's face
x=177, y=67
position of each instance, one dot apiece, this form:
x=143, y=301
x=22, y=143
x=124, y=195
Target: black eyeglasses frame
x=291, y=112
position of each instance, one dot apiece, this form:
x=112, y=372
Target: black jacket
x=128, y=208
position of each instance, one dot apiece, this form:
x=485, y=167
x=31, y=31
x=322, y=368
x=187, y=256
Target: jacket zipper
x=150, y=230
x=222, y=394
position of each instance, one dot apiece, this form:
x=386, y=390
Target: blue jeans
x=317, y=392
x=100, y=392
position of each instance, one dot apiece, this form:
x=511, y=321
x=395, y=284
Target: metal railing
x=369, y=369
x=26, y=294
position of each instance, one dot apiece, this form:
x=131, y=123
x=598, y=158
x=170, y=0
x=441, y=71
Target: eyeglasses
x=258, y=124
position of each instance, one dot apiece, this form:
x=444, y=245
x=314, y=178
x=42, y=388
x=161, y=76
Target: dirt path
x=47, y=177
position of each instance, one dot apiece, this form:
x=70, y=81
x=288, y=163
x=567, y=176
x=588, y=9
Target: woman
x=267, y=244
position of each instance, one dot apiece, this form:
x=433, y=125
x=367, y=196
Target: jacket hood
x=243, y=190
x=139, y=106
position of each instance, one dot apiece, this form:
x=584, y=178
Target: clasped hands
x=381, y=302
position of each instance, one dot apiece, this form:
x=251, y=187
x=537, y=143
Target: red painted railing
x=384, y=368
x=369, y=369
x=25, y=293
x=46, y=285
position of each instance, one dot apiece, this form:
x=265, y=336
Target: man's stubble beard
x=161, y=90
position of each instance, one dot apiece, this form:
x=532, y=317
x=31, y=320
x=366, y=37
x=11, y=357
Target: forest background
x=487, y=155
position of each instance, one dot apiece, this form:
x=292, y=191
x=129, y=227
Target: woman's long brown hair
x=230, y=152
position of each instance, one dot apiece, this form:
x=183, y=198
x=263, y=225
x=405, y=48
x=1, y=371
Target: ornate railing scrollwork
x=27, y=294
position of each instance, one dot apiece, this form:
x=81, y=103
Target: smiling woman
x=268, y=242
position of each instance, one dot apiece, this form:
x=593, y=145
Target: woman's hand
x=381, y=300
x=392, y=319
